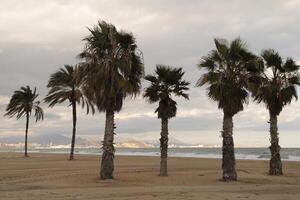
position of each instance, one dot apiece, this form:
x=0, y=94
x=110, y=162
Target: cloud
x=38, y=37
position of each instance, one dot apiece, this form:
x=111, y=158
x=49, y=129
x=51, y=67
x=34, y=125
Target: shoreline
x=175, y=154
x=136, y=156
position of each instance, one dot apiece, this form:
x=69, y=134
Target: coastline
x=262, y=153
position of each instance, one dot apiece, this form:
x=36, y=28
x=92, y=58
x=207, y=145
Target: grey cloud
x=51, y=116
x=30, y=65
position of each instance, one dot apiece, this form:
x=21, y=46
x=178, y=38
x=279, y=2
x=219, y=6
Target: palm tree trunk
x=107, y=163
x=164, y=148
x=228, y=162
x=26, y=133
x=74, y=130
x=275, y=161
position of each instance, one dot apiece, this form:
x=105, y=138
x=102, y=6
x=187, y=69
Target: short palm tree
x=23, y=103
x=112, y=70
x=166, y=82
x=226, y=71
x=64, y=87
x=275, y=86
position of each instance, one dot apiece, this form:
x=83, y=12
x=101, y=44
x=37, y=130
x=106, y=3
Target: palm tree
x=166, y=82
x=112, y=70
x=226, y=71
x=64, y=87
x=275, y=86
x=23, y=102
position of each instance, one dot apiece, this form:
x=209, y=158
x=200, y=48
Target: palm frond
x=272, y=59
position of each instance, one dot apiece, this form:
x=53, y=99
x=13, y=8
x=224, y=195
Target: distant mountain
x=58, y=139
x=173, y=142
x=131, y=143
x=46, y=139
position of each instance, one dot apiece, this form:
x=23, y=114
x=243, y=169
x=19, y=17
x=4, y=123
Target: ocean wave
x=292, y=154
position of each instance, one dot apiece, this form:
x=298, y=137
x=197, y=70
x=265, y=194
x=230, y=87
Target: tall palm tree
x=23, y=103
x=166, y=82
x=275, y=86
x=226, y=71
x=64, y=87
x=112, y=70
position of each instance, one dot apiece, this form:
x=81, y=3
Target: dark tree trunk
x=164, y=148
x=74, y=130
x=107, y=163
x=275, y=161
x=26, y=133
x=228, y=162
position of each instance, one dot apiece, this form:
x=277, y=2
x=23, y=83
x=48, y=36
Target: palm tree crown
x=227, y=72
x=113, y=68
x=24, y=102
x=65, y=87
x=166, y=82
x=276, y=80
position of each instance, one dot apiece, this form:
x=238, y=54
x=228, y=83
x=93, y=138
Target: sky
x=38, y=37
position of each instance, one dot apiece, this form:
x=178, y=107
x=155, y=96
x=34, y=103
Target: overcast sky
x=37, y=37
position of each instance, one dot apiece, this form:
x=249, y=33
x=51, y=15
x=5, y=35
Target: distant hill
x=173, y=142
x=131, y=143
x=58, y=139
x=46, y=139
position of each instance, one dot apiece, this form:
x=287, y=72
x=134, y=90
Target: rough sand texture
x=53, y=177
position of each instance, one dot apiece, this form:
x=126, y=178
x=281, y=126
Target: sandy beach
x=52, y=176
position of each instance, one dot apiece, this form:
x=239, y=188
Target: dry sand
x=53, y=177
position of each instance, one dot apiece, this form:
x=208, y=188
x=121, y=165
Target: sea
x=292, y=154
